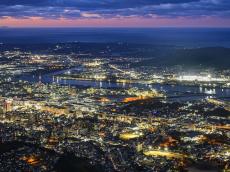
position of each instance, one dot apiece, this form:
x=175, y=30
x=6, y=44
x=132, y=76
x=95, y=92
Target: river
x=184, y=92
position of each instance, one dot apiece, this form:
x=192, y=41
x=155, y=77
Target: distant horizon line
x=115, y=27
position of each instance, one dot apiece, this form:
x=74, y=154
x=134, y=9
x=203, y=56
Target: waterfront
x=80, y=102
x=115, y=86
x=175, y=91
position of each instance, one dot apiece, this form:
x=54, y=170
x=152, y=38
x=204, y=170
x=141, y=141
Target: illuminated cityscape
x=118, y=115
x=114, y=85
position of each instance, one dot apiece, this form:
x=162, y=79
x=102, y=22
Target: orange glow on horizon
x=115, y=22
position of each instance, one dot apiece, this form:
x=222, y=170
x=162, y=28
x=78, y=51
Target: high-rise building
x=7, y=106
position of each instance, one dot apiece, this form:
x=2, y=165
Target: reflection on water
x=210, y=91
x=181, y=91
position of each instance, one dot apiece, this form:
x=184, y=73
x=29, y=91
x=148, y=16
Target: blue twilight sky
x=128, y=13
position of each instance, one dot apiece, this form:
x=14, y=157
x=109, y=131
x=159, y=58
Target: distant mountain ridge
x=217, y=57
x=153, y=55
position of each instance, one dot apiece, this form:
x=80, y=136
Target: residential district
x=101, y=112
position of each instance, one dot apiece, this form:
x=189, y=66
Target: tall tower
x=7, y=106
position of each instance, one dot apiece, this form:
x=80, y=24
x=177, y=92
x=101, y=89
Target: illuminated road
x=128, y=136
x=164, y=154
x=115, y=68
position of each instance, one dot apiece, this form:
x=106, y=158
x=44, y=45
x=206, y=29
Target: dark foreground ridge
x=69, y=162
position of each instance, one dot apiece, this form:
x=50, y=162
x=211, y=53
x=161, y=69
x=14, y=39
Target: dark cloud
x=93, y=4
x=113, y=8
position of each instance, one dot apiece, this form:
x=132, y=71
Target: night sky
x=115, y=13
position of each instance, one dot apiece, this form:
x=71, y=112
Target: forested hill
x=217, y=57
